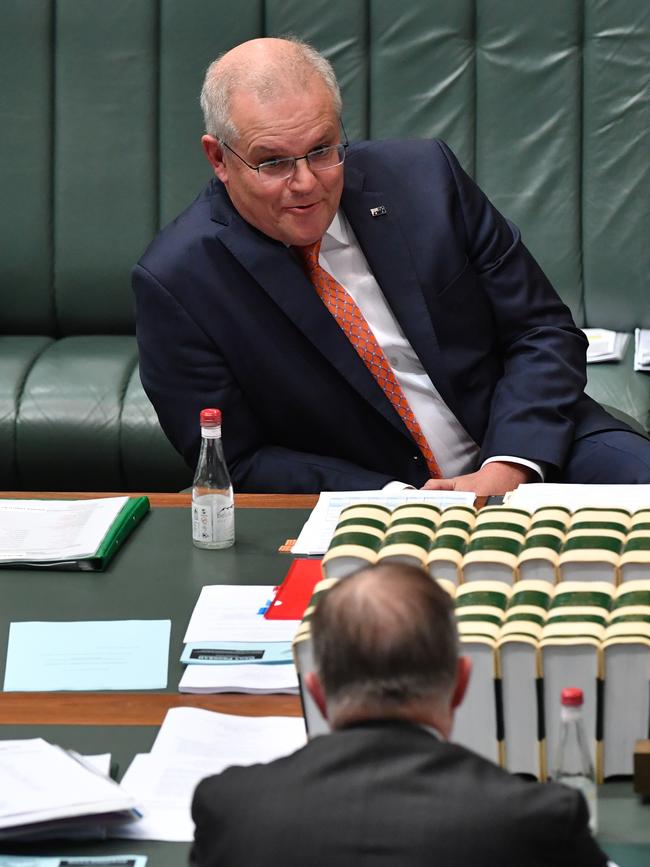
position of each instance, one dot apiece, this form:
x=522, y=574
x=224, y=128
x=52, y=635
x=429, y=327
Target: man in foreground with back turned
x=386, y=788
x=360, y=314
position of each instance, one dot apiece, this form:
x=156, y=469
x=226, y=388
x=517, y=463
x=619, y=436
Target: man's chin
x=300, y=228
x=302, y=236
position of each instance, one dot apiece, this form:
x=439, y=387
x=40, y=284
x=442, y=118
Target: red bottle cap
x=571, y=697
x=210, y=417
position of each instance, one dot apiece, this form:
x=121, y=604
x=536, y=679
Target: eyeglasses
x=318, y=160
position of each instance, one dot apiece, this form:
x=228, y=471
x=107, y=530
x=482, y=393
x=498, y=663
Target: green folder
x=129, y=516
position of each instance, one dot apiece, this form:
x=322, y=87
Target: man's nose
x=303, y=178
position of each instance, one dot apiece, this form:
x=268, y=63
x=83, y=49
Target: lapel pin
x=379, y=211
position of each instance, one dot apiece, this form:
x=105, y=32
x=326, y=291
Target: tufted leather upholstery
x=546, y=105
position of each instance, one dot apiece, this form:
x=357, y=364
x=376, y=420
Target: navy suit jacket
x=226, y=317
x=387, y=794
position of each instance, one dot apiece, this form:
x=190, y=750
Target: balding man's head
x=267, y=68
x=385, y=638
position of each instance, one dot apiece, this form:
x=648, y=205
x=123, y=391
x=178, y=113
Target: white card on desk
x=235, y=612
x=237, y=653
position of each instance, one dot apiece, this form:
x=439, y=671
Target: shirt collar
x=432, y=731
x=337, y=233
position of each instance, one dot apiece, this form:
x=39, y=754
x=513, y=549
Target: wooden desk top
x=131, y=708
x=143, y=708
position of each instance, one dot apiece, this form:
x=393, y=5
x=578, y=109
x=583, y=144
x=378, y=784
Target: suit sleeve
x=182, y=372
x=581, y=846
x=205, y=851
x=544, y=374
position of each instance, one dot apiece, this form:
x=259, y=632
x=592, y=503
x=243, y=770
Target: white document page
x=315, y=536
x=235, y=612
x=41, y=782
x=44, y=530
x=193, y=744
x=642, y=349
x=251, y=678
x=605, y=345
x=101, y=763
x=534, y=496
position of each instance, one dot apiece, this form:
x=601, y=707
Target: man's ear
x=214, y=152
x=463, y=672
x=315, y=689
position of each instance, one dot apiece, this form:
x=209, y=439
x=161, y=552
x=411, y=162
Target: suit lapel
x=388, y=254
x=280, y=274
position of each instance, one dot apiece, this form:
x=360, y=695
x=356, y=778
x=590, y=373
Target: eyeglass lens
x=319, y=160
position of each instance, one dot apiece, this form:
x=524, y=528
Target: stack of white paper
x=642, y=349
x=46, y=791
x=253, y=678
x=235, y=613
x=316, y=535
x=605, y=345
x=193, y=744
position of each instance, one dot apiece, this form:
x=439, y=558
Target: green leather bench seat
x=620, y=388
x=544, y=103
x=74, y=416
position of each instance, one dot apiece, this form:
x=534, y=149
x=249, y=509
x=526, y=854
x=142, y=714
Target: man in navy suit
x=386, y=787
x=487, y=357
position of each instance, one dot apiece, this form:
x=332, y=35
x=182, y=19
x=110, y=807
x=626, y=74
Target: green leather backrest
x=546, y=103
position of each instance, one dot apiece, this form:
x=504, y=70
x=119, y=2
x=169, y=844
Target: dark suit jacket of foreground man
x=228, y=318
x=387, y=794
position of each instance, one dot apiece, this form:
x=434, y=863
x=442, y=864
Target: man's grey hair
x=295, y=70
x=383, y=637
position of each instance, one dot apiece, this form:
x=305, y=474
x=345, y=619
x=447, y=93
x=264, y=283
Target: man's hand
x=494, y=478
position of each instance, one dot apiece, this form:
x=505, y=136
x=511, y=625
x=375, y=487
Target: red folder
x=293, y=595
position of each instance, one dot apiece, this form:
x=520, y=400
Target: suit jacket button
x=416, y=457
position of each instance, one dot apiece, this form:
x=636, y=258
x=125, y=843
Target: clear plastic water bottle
x=213, y=505
x=573, y=765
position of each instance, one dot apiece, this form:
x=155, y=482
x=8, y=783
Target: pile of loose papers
x=47, y=792
x=605, y=345
x=642, y=349
x=193, y=744
x=226, y=619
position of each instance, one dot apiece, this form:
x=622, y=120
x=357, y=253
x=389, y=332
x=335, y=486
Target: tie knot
x=309, y=254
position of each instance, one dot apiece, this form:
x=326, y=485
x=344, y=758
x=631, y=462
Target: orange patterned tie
x=350, y=319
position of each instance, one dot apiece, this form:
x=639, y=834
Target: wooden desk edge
x=161, y=501
x=158, y=501
x=131, y=709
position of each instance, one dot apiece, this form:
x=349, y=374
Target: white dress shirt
x=454, y=449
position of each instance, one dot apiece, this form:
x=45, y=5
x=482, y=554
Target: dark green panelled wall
x=546, y=103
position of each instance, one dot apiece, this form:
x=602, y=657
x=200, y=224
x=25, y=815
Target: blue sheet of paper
x=102, y=654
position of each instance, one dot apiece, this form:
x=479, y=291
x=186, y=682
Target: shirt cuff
x=397, y=486
x=539, y=468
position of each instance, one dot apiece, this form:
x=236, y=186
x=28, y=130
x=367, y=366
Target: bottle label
x=213, y=520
